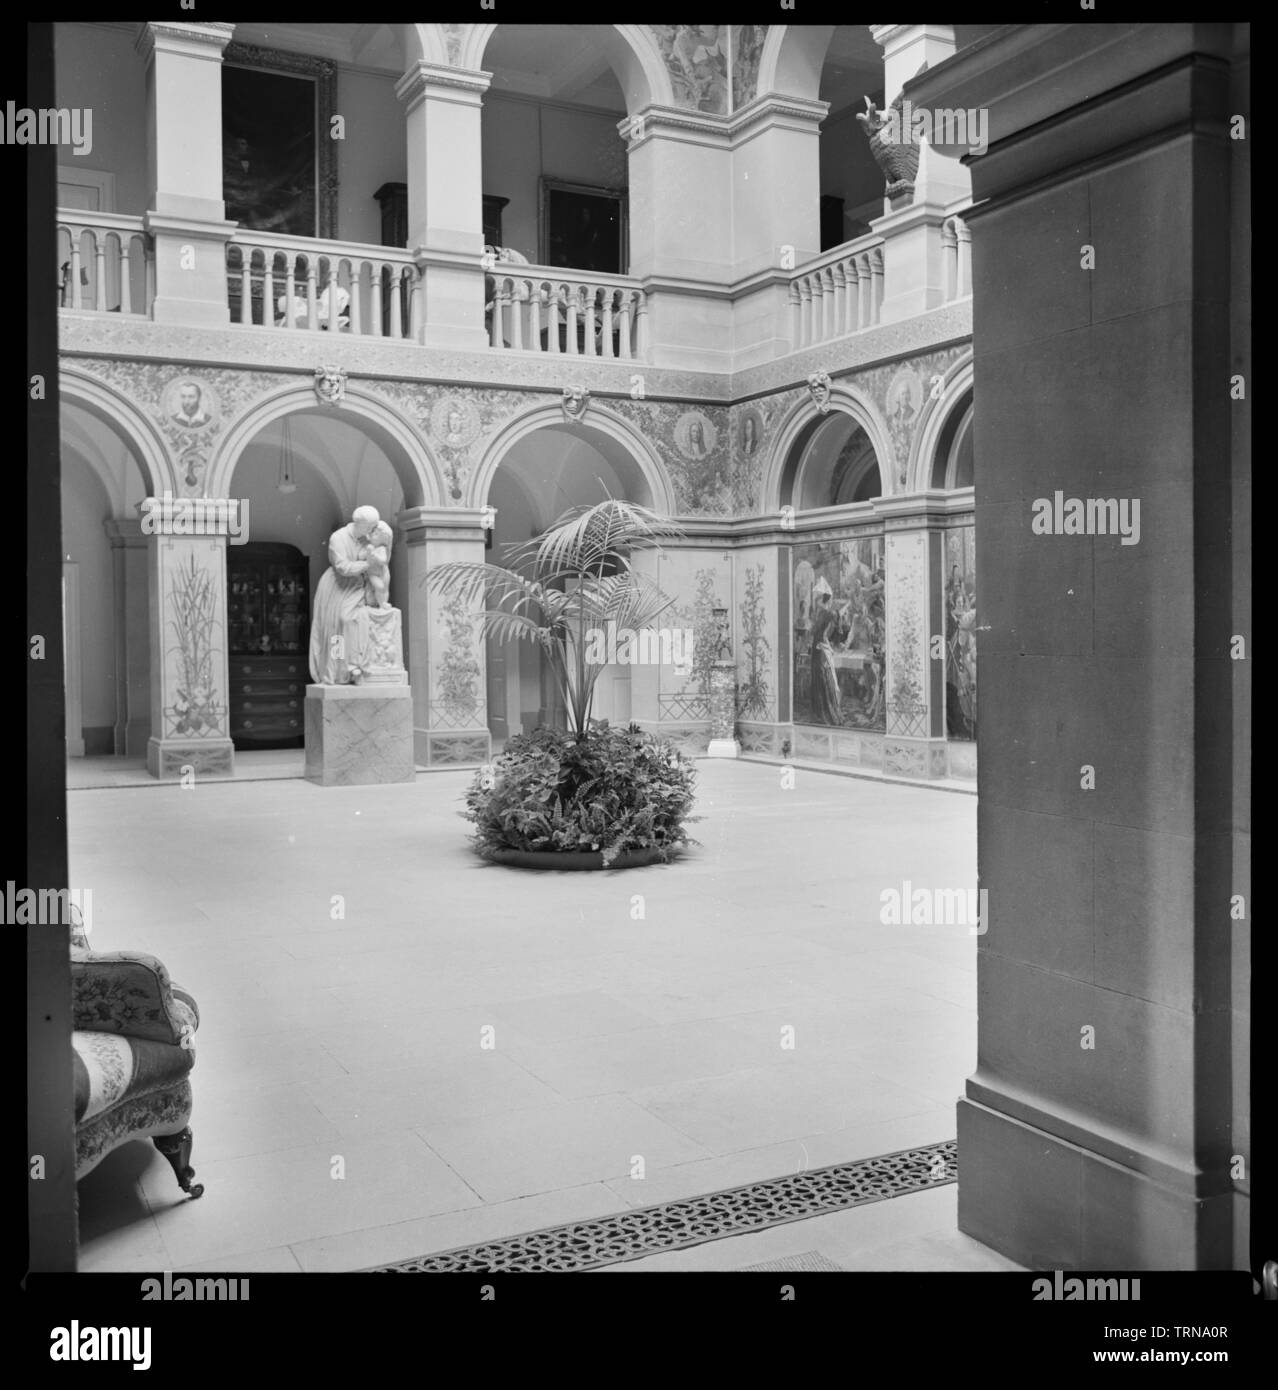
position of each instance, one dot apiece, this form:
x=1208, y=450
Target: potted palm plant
x=589, y=796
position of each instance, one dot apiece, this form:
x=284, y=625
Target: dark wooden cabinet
x=492, y=219
x=392, y=198
x=268, y=614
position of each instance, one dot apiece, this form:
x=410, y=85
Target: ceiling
x=853, y=69
x=555, y=62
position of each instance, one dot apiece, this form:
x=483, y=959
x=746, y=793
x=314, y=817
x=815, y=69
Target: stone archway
x=795, y=433
x=538, y=468
x=956, y=383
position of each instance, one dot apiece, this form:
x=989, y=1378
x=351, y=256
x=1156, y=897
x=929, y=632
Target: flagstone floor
x=403, y=1049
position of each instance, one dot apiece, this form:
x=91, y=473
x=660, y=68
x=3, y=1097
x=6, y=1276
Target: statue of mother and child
x=356, y=636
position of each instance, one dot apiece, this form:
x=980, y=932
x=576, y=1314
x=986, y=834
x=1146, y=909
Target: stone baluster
x=76, y=233
x=126, y=285
x=641, y=326
x=624, y=314
x=534, y=316
x=607, y=324
x=246, y=284
x=312, y=293
x=570, y=292
x=397, y=304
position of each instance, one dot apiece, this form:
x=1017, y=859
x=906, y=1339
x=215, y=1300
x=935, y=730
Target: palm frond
x=588, y=537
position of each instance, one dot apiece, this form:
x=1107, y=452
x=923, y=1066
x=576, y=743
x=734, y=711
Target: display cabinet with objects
x=268, y=616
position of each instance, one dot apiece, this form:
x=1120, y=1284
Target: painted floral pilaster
x=445, y=644
x=758, y=645
x=190, y=724
x=914, y=742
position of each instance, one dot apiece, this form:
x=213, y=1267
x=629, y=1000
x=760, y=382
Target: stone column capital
x=421, y=524
x=124, y=532
x=423, y=79
x=204, y=40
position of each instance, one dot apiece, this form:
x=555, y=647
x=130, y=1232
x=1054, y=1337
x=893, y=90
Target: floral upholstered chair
x=133, y=1046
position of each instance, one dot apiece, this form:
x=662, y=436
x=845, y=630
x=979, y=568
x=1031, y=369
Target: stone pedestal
x=375, y=639
x=723, y=711
x=358, y=735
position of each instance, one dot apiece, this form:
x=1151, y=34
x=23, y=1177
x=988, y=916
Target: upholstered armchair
x=133, y=1046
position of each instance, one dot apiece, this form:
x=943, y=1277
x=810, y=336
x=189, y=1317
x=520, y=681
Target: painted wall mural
x=839, y=633
x=696, y=56
x=715, y=456
x=960, y=633
x=747, y=49
x=703, y=584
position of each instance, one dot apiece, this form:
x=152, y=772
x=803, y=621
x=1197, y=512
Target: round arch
x=783, y=465
x=138, y=434
x=615, y=438
x=410, y=458
x=955, y=384
x=630, y=49
x=792, y=58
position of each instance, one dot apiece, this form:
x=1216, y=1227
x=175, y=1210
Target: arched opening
x=838, y=465
x=953, y=463
x=851, y=182
x=556, y=175
x=543, y=474
x=833, y=462
x=302, y=474
x=104, y=579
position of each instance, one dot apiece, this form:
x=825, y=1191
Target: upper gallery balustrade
x=310, y=285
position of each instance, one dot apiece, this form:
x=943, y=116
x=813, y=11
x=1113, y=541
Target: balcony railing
x=838, y=293
x=297, y=284
x=105, y=263
x=956, y=244
x=537, y=308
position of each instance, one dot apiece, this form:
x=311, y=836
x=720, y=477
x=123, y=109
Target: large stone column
x=445, y=199
x=445, y=644
x=681, y=234
x=1096, y=1131
x=186, y=214
x=129, y=548
x=776, y=178
x=190, y=711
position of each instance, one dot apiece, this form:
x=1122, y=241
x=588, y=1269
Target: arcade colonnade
x=755, y=486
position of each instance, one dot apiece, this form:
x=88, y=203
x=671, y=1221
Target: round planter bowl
x=573, y=859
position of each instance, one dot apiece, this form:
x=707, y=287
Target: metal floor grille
x=630, y=1235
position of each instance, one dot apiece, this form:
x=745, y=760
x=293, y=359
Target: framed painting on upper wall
x=584, y=228
x=279, y=164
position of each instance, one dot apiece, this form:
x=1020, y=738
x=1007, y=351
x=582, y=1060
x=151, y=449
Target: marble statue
x=376, y=550
x=356, y=635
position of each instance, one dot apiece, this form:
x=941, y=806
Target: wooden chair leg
x=177, y=1149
